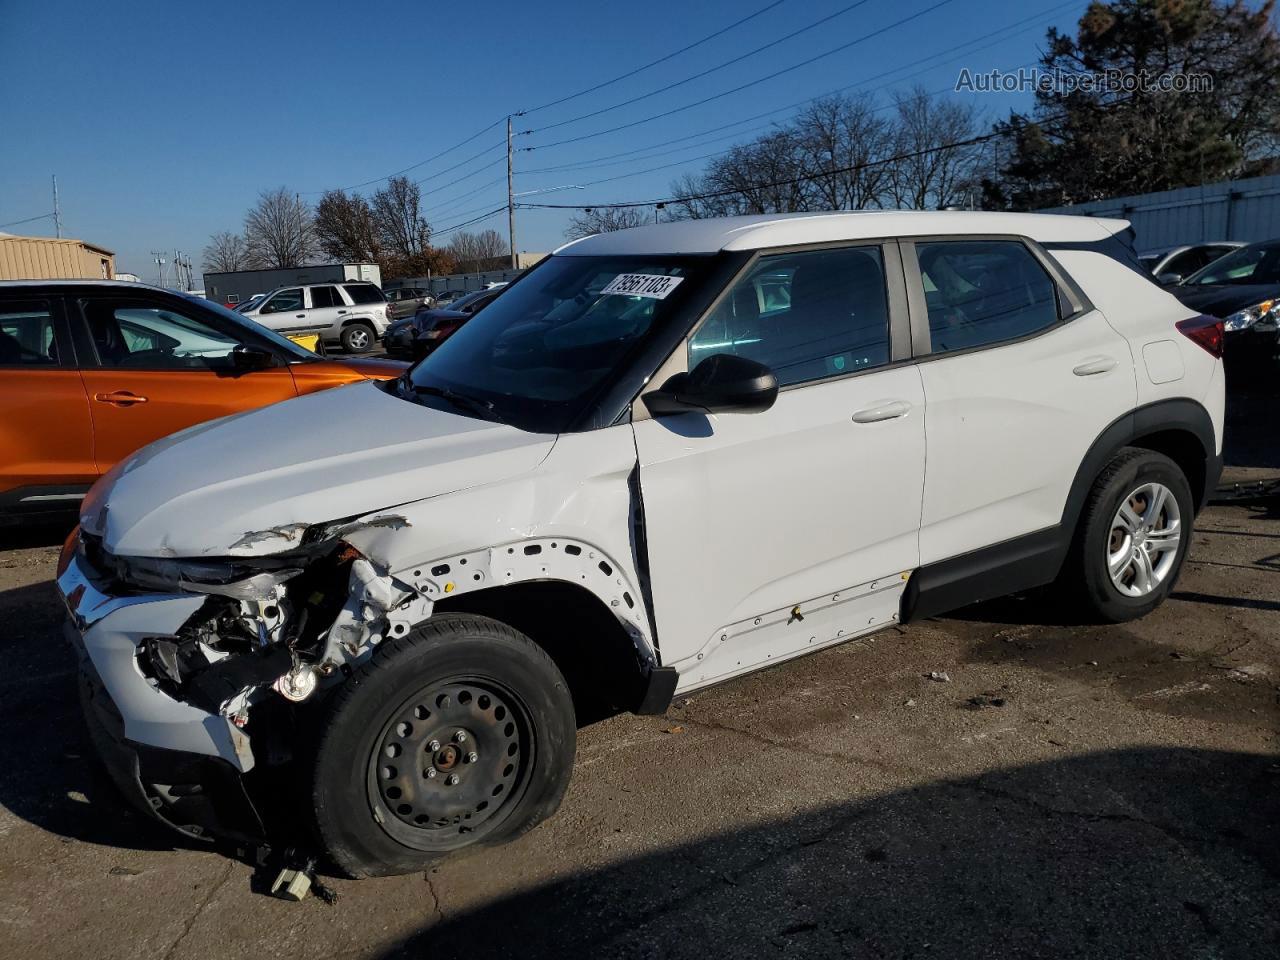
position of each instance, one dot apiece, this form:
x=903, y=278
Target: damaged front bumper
x=108, y=631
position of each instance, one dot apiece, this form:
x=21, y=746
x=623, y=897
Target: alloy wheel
x=1142, y=547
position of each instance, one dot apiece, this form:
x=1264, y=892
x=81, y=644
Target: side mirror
x=246, y=358
x=722, y=383
x=1169, y=279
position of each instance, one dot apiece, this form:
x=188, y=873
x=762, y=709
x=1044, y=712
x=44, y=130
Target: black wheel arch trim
x=1035, y=559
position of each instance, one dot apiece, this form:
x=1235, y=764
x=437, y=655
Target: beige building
x=50, y=258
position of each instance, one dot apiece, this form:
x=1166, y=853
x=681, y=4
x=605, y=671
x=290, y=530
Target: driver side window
x=284, y=301
x=807, y=316
x=153, y=338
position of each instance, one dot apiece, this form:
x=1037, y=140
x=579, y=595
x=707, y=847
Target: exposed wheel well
x=592, y=649
x=1185, y=449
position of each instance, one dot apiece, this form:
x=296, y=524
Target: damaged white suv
x=661, y=459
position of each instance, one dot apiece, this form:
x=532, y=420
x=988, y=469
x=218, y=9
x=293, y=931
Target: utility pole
x=511, y=204
x=57, y=212
x=158, y=258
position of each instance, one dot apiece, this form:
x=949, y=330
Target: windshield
x=1256, y=263
x=286, y=345
x=539, y=354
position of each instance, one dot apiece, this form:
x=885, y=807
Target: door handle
x=121, y=398
x=1095, y=365
x=342, y=311
x=301, y=316
x=884, y=410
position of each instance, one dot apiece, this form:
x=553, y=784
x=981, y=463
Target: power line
x=752, y=83
x=1016, y=27
x=654, y=63
x=467, y=223
x=572, y=96
x=413, y=166
x=14, y=223
x=703, y=73
x=462, y=163
x=956, y=144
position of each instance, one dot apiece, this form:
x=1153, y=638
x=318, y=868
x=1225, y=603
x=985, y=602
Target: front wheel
x=458, y=734
x=358, y=338
x=1133, y=536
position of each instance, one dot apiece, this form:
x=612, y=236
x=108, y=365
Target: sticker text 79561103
x=656, y=286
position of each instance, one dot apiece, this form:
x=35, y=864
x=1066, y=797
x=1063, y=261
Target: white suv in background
x=354, y=312
x=663, y=458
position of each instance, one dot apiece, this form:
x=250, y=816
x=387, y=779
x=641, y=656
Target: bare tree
x=398, y=215
x=345, y=228
x=840, y=138
x=929, y=174
x=279, y=229
x=604, y=220
x=473, y=252
x=226, y=253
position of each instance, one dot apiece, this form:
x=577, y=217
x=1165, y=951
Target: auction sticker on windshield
x=651, y=285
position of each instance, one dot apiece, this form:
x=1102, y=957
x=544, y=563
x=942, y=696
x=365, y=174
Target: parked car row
x=90, y=371
x=414, y=337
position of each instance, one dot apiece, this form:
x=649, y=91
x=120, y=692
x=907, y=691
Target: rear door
x=774, y=533
x=325, y=307
x=46, y=436
x=157, y=365
x=1021, y=374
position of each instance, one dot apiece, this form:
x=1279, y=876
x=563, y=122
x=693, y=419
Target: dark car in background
x=406, y=301
x=413, y=338
x=1173, y=264
x=1243, y=289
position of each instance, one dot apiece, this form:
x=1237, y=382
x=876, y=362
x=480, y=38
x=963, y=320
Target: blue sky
x=163, y=121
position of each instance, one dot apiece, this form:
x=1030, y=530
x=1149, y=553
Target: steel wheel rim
x=358, y=339
x=450, y=763
x=1144, y=539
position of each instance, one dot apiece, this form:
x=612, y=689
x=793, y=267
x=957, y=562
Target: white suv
x=663, y=458
x=354, y=314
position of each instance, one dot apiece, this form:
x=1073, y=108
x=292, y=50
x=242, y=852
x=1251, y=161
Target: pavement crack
x=880, y=765
x=195, y=914
x=436, y=909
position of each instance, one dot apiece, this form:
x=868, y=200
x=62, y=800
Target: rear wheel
x=458, y=734
x=358, y=338
x=1133, y=536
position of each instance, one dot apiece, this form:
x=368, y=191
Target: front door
x=775, y=533
x=159, y=367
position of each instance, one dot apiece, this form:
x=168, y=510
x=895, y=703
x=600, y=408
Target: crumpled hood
x=249, y=484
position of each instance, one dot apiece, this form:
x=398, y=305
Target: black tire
x=1089, y=587
x=358, y=338
x=377, y=813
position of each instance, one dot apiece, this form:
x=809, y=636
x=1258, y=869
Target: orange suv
x=92, y=370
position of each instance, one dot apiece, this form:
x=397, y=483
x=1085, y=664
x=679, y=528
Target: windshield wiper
x=482, y=408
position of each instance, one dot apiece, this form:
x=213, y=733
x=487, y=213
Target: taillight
x=1204, y=330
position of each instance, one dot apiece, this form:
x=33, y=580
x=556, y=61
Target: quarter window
x=364, y=293
x=26, y=334
x=984, y=291
x=806, y=316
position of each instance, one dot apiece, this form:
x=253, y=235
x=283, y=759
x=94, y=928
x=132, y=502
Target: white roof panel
x=786, y=229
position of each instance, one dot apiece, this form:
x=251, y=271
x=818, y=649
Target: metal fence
x=1245, y=210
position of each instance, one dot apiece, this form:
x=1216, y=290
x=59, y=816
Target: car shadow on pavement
x=1127, y=853
x=49, y=773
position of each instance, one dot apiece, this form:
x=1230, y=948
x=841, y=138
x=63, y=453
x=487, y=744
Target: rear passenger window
x=984, y=291
x=325, y=297
x=806, y=316
x=26, y=334
x=364, y=293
